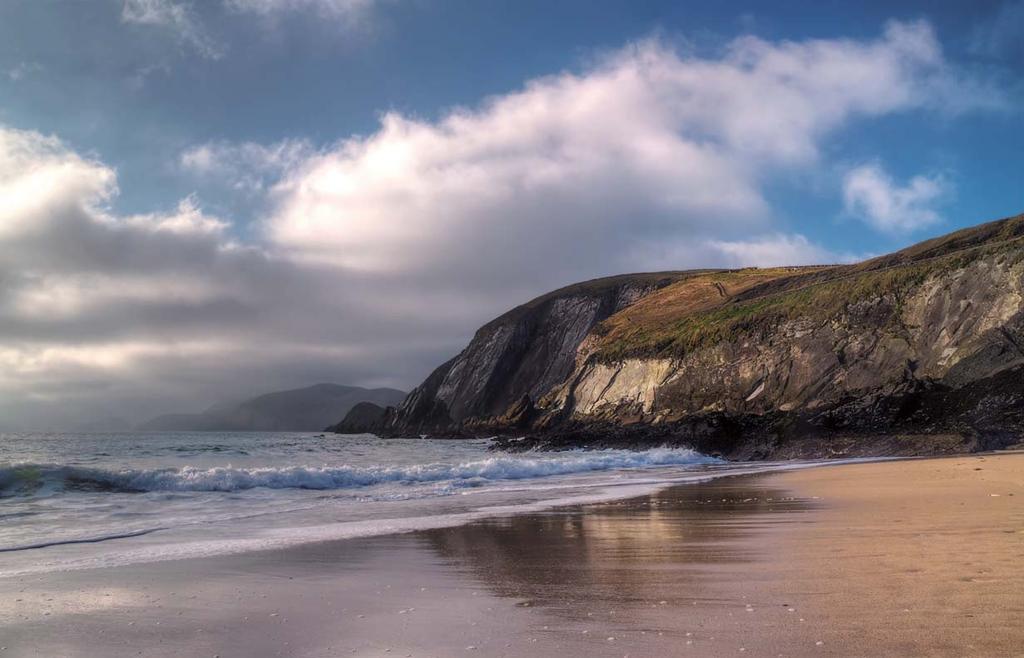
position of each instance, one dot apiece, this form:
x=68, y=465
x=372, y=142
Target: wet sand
x=917, y=557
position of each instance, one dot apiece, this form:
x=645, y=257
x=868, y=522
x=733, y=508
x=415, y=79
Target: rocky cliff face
x=920, y=351
x=522, y=354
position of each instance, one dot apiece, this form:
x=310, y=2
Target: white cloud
x=576, y=173
x=776, y=249
x=247, y=166
x=177, y=17
x=152, y=312
x=187, y=218
x=871, y=195
x=39, y=177
x=764, y=250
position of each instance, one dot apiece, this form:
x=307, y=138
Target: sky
x=202, y=200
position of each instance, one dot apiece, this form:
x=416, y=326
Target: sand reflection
x=658, y=550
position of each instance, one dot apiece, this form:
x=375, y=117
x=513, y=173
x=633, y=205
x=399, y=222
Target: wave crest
x=32, y=479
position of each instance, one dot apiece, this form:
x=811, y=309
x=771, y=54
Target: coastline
x=758, y=438
x=918, y=556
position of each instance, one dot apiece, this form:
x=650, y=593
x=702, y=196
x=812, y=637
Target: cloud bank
x=648, y=148
x=137, y=314
x=377, y=256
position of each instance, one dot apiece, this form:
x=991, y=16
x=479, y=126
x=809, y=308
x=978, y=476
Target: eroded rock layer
x=916, y=352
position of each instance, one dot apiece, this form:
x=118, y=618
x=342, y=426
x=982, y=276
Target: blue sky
x=344, y=189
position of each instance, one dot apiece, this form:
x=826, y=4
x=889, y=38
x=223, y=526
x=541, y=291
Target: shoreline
x=760, y=439
x=280, y=539
x=905, y=556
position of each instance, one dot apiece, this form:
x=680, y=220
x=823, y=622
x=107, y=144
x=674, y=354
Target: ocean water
x=72, y=501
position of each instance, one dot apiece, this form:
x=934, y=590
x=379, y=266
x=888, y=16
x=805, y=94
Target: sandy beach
x=918, y=557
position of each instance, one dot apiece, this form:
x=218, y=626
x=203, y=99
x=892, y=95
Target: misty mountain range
x=305, y=409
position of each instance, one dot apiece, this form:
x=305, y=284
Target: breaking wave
x=35, y=479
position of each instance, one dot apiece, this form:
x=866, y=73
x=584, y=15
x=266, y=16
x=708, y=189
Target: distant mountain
x=105, y=424
x=301, y=410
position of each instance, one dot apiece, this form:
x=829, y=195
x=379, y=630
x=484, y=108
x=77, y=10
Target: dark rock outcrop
x=365, y=417
x=525, y=352
x=916, y=352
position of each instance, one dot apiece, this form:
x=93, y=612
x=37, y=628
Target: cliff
x=920, y=351
x=524, y=353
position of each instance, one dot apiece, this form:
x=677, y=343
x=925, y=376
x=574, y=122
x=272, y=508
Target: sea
x=78, y=501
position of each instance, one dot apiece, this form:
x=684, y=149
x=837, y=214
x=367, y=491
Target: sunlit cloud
x=575, y=173
x=871, y=195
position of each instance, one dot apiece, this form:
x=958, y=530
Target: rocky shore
x=916, y=352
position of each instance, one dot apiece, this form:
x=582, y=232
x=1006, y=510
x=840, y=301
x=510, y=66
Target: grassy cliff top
x=712, y=306
x=595, y=288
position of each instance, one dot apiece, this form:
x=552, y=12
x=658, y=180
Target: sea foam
x=30, y=478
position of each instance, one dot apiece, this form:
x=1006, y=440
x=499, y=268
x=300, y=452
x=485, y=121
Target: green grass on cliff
x=595, y=288
x=709, y=308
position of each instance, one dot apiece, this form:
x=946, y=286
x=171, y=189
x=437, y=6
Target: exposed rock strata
x=524, y=353
x=917, y=352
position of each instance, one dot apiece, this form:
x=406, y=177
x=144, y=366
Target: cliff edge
x=916, y=352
